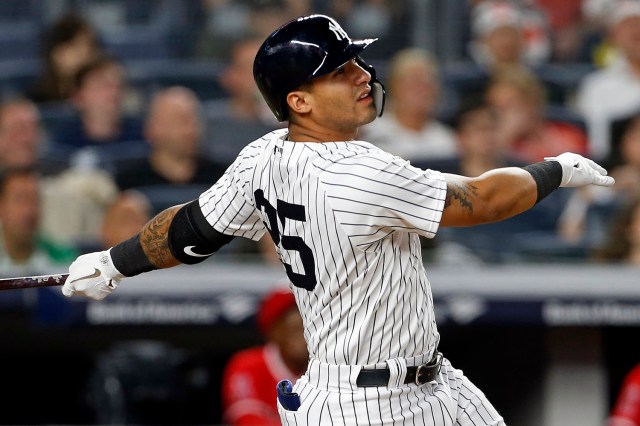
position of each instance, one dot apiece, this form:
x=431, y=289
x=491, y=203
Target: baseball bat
x=34, y=281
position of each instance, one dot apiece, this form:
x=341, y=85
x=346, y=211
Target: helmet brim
x=351, y=51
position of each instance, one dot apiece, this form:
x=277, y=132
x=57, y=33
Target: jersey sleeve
x=228, y=206
x=376, y=194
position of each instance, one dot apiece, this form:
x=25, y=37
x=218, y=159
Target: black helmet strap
x=377, y=88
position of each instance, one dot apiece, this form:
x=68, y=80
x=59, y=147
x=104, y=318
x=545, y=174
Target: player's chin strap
x=377, y=88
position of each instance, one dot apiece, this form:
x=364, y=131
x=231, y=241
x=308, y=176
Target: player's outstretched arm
x=179, y=234
x=502, y=193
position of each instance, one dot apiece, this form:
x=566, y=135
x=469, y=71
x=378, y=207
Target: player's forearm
x=493, y=196
x=154, y=239
x=149, y=249
x=507, y=192
x=179, y=234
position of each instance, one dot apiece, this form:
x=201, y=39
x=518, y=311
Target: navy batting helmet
x=303, y=49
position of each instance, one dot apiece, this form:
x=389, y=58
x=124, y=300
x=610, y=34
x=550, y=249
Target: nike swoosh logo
x=95, y=274
x=189, y=250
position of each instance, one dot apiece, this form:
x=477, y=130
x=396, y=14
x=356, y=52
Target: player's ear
x=298, y=102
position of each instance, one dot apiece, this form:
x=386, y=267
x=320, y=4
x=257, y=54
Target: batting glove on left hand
x=580, y=171
x=92, y=275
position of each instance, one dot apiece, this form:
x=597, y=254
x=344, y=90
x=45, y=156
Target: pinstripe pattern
x=346, y=218
x=451, y=400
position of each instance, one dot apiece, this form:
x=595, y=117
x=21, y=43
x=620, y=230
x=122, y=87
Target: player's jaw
x=352, y=90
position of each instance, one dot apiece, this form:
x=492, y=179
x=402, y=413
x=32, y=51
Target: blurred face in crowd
x=505, y=44
x=477, y=135
x=174, y=124
x=626, y=36
x=414, y=87
x=237, y=79
x=19, y=134
x=102, y=90
x=20, y=207
x=517, y=104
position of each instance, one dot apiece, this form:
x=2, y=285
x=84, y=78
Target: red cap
x=273, y=306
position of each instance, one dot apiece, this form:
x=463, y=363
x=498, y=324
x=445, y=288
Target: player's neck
x=300, y=133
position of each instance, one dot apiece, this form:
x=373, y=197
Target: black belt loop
x=419, y=375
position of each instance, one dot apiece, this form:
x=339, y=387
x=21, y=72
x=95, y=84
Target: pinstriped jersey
x=346, y=219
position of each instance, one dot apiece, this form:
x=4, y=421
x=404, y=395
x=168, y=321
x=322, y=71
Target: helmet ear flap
x=378, y=93
x=377, y=88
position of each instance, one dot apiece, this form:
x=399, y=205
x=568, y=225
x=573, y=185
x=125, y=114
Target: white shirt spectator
x=434, y=142
x=604, y=96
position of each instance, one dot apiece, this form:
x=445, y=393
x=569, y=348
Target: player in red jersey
x=626, y=411
x=250, y=377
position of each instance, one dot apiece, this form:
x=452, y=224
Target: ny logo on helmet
x=338, y=31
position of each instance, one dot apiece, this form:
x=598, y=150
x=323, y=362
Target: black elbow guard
x=191, y=238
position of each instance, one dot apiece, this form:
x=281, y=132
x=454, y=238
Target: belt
x=419, y=375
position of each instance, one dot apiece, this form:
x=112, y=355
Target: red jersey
x=249, y=386
x=628, y=403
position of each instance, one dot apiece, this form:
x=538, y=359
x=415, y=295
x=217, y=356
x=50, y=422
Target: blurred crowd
x=113, y=110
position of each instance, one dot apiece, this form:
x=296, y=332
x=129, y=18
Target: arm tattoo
x=154, y=239
x=464, y=193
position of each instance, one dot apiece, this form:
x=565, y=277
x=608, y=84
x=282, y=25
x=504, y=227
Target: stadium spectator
x=242, y=115
x=250, y=377
x=519, y=98
x=506, y=33
x=568, y=29
x=622, y=242
x=23, y=144
x=130, y=211
x=173, y=129
x=588, y=212
x=613, y=92
x=226, y=20
x=503, y=34
x=479, y=150
x=22, y=140
x=23, y=248
x=102, y=117
x=478, y=146
x=409, y=127
x=70, y=43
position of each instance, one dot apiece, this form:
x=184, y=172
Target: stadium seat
x=136, y=43
x=146, y=382
x=17, y=74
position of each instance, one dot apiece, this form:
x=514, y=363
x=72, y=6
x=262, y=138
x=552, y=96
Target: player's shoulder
x=259, y=145
x=255, y=150
x=350, y=149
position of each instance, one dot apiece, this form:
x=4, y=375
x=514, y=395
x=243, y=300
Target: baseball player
x=250, y=377
x=345, y=218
